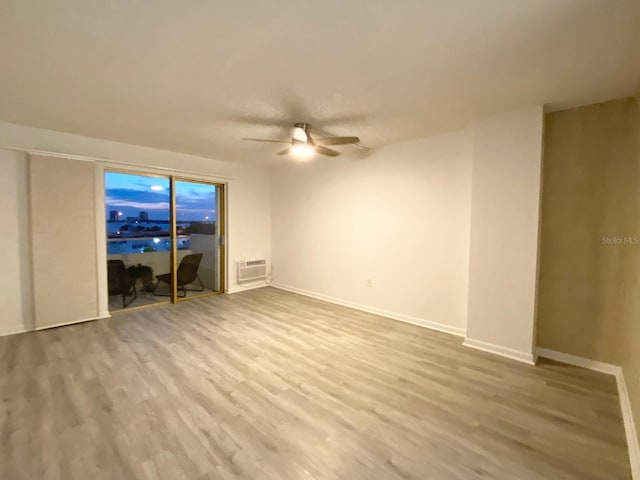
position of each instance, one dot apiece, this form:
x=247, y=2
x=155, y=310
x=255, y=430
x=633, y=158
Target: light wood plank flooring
x=266, y=384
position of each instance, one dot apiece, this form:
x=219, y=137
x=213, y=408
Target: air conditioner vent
x=248, y=270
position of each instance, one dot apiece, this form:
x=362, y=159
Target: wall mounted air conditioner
x=248, y=270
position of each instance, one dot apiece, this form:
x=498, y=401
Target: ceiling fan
x=303, y=145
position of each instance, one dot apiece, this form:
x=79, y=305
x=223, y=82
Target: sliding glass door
x=199, y=238
x=139, y=240
x=165, y=239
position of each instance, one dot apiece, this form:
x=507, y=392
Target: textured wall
x=590, y=196
x=589, y=287
x=631, y=329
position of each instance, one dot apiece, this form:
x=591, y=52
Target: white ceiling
x=195, y=76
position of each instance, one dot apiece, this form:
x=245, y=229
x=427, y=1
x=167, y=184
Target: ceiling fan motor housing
x=306, y=128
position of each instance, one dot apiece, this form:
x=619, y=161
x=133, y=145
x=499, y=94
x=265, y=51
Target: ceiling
x=195, y=76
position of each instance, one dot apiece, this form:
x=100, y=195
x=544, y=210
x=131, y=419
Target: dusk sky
x=131, y=194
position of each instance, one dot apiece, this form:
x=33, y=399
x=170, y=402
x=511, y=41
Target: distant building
x=113, y=216
x=143, y=216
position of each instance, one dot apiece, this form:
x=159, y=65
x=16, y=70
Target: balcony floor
x=147, y=298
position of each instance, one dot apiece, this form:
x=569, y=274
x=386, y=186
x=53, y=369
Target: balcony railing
x=147, y=244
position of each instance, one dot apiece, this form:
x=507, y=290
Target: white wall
x=16, y=311
x=399, y=217
x=248, y=220
x=507, y=164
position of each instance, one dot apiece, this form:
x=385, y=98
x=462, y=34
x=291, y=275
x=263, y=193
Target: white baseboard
x=440, y=327
x=623, y=394
x=73, y=322
x=244, y=288
x=15, y=329
x=523, y=357
x=629, y=426
x=601, y=367
x=12, y=330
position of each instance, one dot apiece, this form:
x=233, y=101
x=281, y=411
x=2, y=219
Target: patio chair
x=120, y=282
x=187, y=274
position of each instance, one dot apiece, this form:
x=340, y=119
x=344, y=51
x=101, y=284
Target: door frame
x=222, y=238
x=101, y=235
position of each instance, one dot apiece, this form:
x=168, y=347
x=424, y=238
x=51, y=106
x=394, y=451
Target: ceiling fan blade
x=336, y=140
x=326, y=151
x=263, y=140
x=284, y=152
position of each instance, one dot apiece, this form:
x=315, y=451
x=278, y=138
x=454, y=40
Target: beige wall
x=589, y=287
x=631, y=338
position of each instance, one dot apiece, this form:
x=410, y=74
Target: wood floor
x=270, y=385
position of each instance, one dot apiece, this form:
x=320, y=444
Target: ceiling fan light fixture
x=304, y=147
x=300, y=134
x=302, y=150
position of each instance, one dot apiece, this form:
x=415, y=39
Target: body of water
x=114, y=227
x=139, y=237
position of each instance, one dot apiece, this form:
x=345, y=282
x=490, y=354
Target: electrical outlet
x=369, y=283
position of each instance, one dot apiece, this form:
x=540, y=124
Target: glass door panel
x=199, y=238
x=139, y=245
